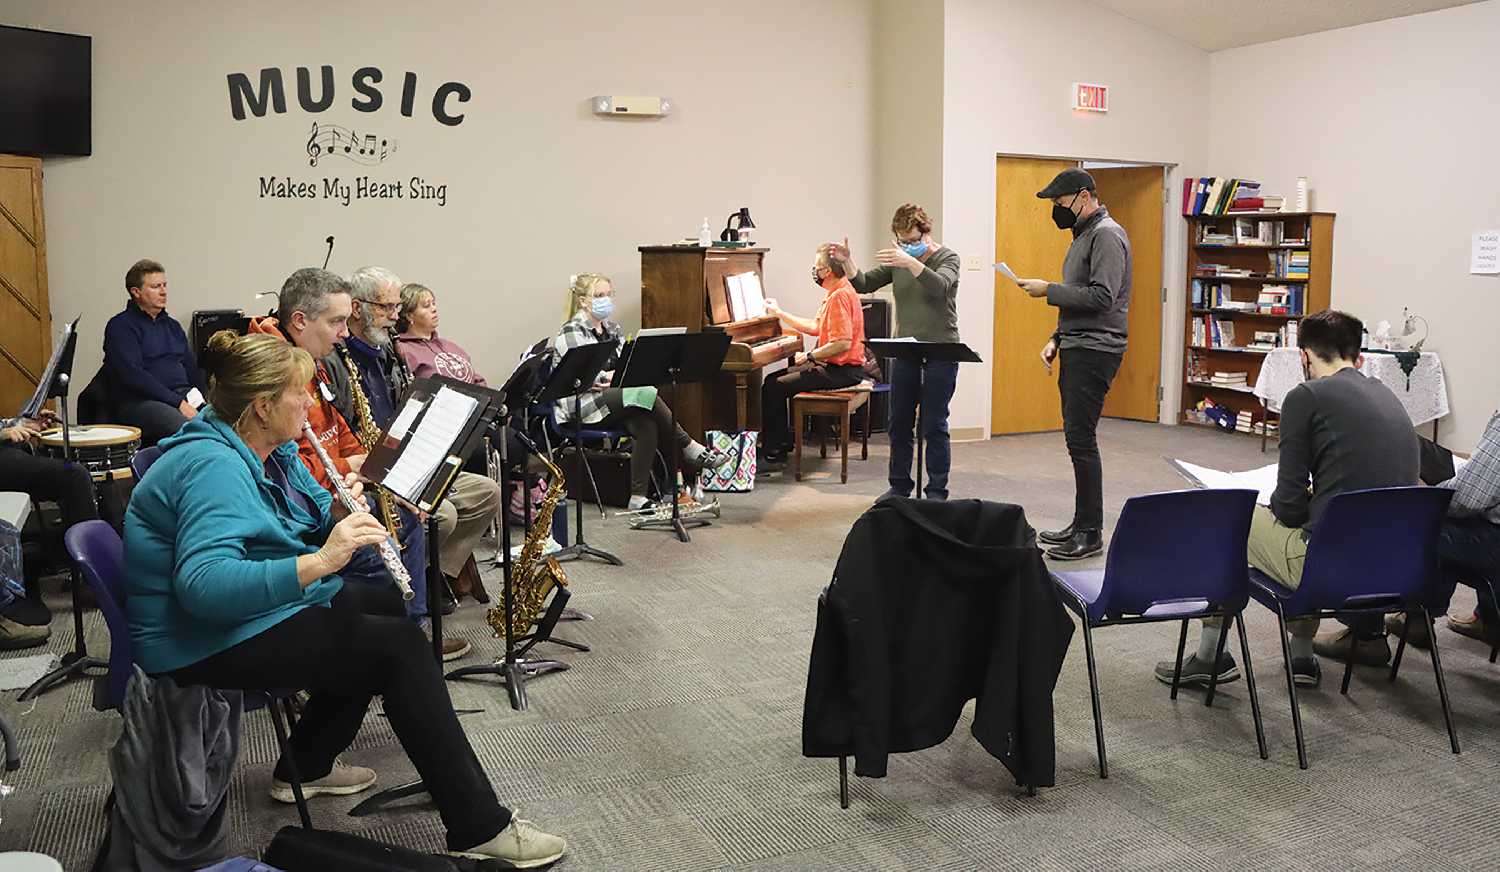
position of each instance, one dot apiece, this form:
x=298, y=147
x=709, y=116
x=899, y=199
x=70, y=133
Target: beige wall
x=1009, y=67
x=537, y=187
x=1383, y=120
x=908, y=115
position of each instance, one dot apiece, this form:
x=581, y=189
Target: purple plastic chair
x=1156, y=572
x=99, y=554
x=1373, y=552
x=142, y=461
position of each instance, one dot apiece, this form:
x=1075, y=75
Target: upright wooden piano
x=683, y=286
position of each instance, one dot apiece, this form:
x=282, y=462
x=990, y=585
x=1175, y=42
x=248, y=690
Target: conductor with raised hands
x=923, y=276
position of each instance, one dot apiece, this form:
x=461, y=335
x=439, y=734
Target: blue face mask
x=602, y=307
x=915, y=249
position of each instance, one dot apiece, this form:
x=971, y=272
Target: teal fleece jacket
x=211, y=546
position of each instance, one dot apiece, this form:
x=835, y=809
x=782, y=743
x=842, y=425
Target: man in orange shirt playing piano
x=837, y=360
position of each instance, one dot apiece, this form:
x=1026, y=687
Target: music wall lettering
x=366, y=145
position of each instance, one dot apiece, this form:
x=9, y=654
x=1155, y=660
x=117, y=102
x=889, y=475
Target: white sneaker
x=342, y=781
x=521, y=845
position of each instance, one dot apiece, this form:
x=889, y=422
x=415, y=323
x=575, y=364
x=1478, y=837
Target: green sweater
x=926, y=304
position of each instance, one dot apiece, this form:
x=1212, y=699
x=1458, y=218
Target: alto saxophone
x=368, y=435
x=531, y=580
x=389, y=552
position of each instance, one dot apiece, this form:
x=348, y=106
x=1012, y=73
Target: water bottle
x=705, y=235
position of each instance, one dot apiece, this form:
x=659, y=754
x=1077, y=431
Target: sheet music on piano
x=755, y=296
x=735, y=288
x=447, y=413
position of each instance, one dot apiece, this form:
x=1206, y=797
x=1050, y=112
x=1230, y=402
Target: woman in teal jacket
x=232, y=551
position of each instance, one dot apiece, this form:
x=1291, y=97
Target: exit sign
x=1090, y=98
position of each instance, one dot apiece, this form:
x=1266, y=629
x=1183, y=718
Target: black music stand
x=572, y=377
x=673, y=358
x=922, y=353
x=55, y=383
x=427, y=493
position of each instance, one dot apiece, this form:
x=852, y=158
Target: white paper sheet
x=1484, y=259
x=1003, y=269
x=755, y=296
x=1262, y=479
x=446, y=415
x=408, y=414
x=736, y=293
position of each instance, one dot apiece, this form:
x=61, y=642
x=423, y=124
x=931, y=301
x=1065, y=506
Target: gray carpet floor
x=675, y=743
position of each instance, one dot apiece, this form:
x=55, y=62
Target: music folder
x=438, y=423
x=61, y=361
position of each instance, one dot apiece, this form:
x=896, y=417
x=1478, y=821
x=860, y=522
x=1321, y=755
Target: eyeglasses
x=384, y=307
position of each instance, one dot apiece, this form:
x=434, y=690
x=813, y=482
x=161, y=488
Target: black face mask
x=817, y=281
x=1064, y=216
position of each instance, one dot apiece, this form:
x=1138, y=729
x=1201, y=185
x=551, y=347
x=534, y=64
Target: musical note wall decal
x=366, y=149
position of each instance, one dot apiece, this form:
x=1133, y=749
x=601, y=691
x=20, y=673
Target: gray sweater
x=926, y=304
x=1093, y=299
x=1346, y=431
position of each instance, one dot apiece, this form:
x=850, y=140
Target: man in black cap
x=1092, y=301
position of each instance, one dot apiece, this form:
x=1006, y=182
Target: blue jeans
x=932, y=390
x=366, y=567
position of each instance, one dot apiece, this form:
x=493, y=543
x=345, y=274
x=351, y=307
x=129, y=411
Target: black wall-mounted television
x=46, y=92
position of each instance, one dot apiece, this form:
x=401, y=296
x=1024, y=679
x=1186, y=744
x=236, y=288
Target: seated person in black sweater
x=1347, y=432
x=155, y=379
x=42, y=478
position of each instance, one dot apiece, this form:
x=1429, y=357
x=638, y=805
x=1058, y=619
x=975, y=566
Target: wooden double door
x=1023, y=396
x=25, y=312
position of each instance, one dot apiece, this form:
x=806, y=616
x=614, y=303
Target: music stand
x=54, y=383
x=922, y=353
x=572, y=377
x=673, y=358
x=399, y=462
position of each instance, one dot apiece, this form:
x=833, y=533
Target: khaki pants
x=472, y=503
x=1278, y=551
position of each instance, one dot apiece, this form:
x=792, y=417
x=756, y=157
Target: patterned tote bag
x=738, y=475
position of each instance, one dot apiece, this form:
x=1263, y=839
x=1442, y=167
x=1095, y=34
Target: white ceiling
x=1217, y=24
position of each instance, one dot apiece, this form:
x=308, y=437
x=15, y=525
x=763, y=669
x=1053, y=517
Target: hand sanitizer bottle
x=705, y=235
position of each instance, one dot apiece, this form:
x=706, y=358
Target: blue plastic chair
x=1151, y=574
x=96, y=549
x=142, y=461
x=1373, y=552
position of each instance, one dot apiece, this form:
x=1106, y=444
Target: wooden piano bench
x=840, y=404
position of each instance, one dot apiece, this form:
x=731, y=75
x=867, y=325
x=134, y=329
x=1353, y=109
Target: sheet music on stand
x=437, y=424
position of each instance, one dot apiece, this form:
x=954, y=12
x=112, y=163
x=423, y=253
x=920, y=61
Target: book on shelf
x=1230, y=379
x=1211, y=331
x=1216, y=195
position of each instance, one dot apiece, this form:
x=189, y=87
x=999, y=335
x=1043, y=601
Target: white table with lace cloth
x=1423, y=392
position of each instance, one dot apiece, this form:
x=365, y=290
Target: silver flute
x=390, y=552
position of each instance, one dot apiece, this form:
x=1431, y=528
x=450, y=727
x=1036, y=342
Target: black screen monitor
x=46, y=92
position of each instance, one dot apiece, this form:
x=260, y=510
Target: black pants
x=649, y=429
x=47, y=478
x=361, y=646
x=156, y=420
x=1085, y=379
x=776, y=394
x=1469, y=551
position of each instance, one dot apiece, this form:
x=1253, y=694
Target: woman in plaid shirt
x=638, y=411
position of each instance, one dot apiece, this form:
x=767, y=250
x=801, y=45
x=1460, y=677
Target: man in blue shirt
x=154, y=378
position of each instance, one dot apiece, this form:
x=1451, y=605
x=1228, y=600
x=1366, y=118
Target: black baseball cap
x=1067, y=182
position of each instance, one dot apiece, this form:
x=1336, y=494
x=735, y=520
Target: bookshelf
x=1246, y=299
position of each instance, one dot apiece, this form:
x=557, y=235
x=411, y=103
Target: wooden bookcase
x=1314, y=227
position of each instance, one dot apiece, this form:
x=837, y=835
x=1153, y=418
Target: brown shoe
x=1472, y=626
x=15, y=635
x=1367, y=652
x=454, y=648
x=1419, y=637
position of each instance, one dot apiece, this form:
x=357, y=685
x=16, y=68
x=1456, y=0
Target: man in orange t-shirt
x=836, y=361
